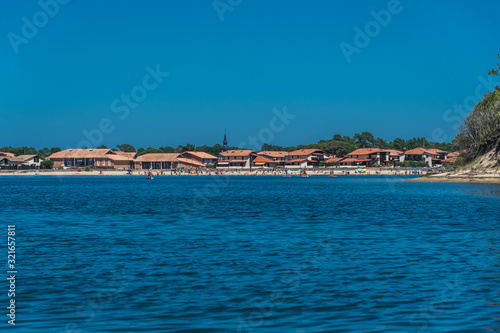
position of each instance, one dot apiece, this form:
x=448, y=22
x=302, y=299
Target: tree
x=187, y=147
x=268, y=147
x=494, y=71
x=337, y=137
x=380, y=143
x=54, y=150
x=150, y=150
x=47, y=163
x=126, y=148
x=398, y=144
x=480, y=131
x=364, y=139
x=214, y=150
x=167, y=149
x=44, y=152
x=102, y=147
x=337, y=148
x=20, y=151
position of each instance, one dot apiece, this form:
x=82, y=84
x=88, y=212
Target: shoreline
x=111, y=173
x=480, y=179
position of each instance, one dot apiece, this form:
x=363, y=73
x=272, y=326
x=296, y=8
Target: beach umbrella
x=360, y=169
x=415, y=169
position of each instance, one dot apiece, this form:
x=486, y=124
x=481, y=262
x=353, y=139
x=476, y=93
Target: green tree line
x=480, y=131
x=341, y=145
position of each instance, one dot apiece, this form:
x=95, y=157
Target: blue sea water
x=252, y=254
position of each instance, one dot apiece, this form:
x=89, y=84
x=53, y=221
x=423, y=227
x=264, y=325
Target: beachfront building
x=22, y=160
x=349, y=161
x=4, y=160
x=262, y=161
x=163, y=161
x=157, y=161
x=452, y=157
x=201, y=157
x=305, y=158
x=428, y=155
x=394, y=156
x=240, y=158
x=92, y=158
x=366, y=157
x=280, y=157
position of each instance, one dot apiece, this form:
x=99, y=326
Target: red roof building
x=305, y=158
x=429, y=155
x=237, y=158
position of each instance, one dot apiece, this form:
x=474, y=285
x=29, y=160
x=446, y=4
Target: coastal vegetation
x=479, y=133
x=47, y=164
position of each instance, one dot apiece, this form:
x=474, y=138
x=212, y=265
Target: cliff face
x=487, y=165
x=484, y=169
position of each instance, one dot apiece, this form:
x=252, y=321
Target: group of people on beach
x=274, y=172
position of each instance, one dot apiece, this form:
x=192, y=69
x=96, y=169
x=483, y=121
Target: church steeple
x=224, y=147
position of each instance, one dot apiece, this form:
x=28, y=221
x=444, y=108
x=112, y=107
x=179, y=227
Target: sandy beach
x=488, y=178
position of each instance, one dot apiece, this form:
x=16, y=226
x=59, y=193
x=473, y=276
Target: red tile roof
x=274, y=154
x=242, y=152
x=394, y=152
x=349, y=160
x=436, y=151
x=421, y=151
x=190, y=161
x=304, y=152
x=83, y=153
x=201, y=154
x=454, y=154
x=119, y=157
x=24, y=158
x=365, y=151
x=160, y=157
x=334, y=159
x=132, y=155
x=262, y=159
x=415, y=151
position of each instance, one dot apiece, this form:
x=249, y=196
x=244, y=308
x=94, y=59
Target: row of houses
x=110, y=159
x=307, y=158
x=241, y=158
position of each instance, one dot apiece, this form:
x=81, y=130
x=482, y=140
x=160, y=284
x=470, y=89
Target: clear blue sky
x=231, y=73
